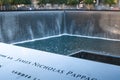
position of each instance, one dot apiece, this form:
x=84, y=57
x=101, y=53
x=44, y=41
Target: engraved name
x=23, y=75
x=23, y=61
x=48, y=68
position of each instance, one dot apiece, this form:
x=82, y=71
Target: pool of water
x=67, y=44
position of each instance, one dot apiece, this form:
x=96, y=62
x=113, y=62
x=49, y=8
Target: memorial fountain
x=63, y=32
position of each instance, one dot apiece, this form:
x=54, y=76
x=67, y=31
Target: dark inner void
x=66, y=45
x=97, y=57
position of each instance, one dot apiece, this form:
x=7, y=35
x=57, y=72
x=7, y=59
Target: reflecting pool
x=69, y=44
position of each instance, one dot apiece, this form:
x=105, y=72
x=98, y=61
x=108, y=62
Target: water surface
x=66, y=45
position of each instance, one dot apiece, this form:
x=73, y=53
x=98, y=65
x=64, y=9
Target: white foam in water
x=18, y=63
x=92, y=37
x=37, y=39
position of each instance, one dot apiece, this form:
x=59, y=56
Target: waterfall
x=31, y=33
x=26, y=25
x=103, y=24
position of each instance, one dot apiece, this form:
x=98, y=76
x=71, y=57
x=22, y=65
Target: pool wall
x=26, y=25
x=104, y=24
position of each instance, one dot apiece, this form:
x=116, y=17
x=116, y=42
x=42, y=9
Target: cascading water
x=60, y=31
x=8, y=27
x=103, y=24
x=31, y=33
x=20, y=26
x=26, y=25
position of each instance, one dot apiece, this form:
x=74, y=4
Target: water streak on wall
x=26, y=25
